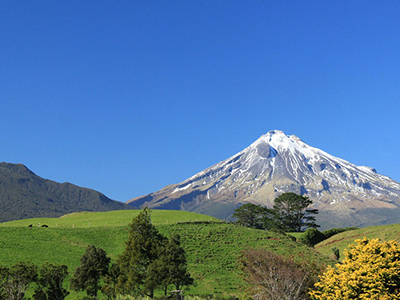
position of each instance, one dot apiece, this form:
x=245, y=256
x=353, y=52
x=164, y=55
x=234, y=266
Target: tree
x=275, y=277
x=94, y=265
x=14, y=281
x=50, y=282
x=142, y=249
x=110, y=281
x=370, y=270
x=150, y=260
x=291, y=212
x=171, y=266
x=253, y=216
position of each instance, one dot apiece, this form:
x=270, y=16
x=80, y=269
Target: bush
x=335, y=253
x=331, y=232
x=275, y=277
x=370, y=270
x=312, y=236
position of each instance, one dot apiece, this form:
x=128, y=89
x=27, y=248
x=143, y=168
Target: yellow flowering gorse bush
x=370, y=270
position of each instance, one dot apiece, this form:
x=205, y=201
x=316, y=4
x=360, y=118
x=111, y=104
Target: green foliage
x=213, y=252
x=253, y=216
x=370, y=270
x=150, y=260
x=335, y=253
x=50, y=282
x=212, y=249
x=94, y=266
x=343, y=239
x=110, y=281
x=331, y=232
x=14, y=281
x=142, y=249
x=26, y=195
x=312, y=236
x=291, y=211
x=171, y=265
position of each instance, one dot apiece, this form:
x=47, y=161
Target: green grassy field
x=212, y=248
x=344, y=239
x=110, y=219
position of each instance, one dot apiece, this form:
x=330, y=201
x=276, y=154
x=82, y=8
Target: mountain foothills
x=344, y=194
x=23, y=195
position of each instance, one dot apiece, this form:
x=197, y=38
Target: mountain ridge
x=275, y=163
x=23, y=194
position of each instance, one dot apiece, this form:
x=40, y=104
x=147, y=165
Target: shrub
x=335, y=253
x=370, y=270
x=275, y=277
x=312, y=236
x=331, y=232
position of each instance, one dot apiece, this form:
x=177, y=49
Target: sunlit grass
x=344, y=239
x=212, y=248
x=109, y=219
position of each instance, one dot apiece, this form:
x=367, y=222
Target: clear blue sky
x=126, y=97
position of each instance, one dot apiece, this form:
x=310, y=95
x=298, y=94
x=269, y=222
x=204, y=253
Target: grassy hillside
x=342, y=240
x=110, y=219
x=212, y=248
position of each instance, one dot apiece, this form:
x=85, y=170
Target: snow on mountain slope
x=278, y=163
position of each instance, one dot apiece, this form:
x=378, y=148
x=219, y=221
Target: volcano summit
x=345, y=194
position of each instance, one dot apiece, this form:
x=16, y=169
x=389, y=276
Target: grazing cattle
x=44, y=225
x=30, y=226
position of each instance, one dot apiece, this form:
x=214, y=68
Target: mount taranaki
x=344, y=194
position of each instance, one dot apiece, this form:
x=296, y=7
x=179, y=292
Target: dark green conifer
x=142, y=249
x=94, y=265
x=292, y=212
x=50, y=282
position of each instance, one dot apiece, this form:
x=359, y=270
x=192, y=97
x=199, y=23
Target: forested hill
x=23, y=194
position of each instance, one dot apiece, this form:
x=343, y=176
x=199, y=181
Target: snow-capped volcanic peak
x=274, y=164
x=276, y=158
x=281, y=142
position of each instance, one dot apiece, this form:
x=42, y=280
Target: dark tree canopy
x=50, y=282
x=14, y=281
x=110, y=281
x=292, y=212
x=94, y=265
x=150, y=261
x=289, y=213
x=254, y=216
x=142, y=247
x=171, y=266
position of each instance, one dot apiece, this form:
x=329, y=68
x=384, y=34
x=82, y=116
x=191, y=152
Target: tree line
x=290, y=213
x=149, y=262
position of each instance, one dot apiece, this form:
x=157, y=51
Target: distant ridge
x=345, y=194
x=23, y=195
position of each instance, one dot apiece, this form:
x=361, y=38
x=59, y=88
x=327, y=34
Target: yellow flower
x=370, y=270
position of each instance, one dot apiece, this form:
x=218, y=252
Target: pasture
x=212, y=248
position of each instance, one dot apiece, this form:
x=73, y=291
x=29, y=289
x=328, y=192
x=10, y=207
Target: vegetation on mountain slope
x=290, y=213
x=341, y=241
x=212, y=248
x=23, y=195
